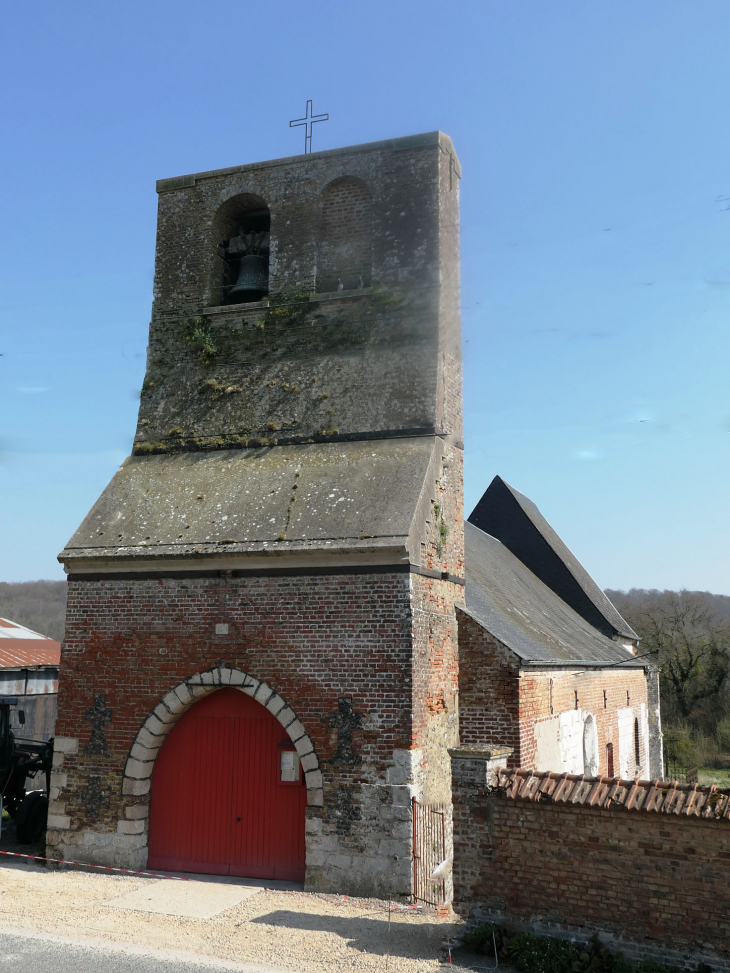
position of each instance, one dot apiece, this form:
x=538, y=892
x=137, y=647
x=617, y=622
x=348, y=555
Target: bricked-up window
x=241, y=261
x=344, y=254
x=609, y=760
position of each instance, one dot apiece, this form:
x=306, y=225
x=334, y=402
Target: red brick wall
x=500, y=705
x=655, y=882
x=488, y=691
x=311, y=638
x=535, y=697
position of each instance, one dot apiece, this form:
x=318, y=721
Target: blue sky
x=595, y=148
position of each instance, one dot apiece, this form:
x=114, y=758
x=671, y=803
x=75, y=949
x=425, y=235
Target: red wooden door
x=217, y=804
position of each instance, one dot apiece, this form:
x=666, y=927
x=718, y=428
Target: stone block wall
x=651, y=883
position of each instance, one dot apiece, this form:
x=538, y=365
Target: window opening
x=637, y=744
x=605, y=700
x=576, y=699
x=628, y=698
x=242, y=227
x=551, y=697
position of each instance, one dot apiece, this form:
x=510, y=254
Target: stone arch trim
x=140, y=763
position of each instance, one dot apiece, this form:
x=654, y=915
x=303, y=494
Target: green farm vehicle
x=19, y=760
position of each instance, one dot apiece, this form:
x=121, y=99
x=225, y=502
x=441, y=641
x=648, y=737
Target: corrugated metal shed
x=22, y=647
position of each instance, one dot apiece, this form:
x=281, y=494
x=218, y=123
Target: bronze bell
x=253, y=279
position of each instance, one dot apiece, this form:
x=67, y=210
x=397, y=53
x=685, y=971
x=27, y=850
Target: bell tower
x=292, y=508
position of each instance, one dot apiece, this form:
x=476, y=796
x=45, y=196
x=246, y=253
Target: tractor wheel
x=30, y=821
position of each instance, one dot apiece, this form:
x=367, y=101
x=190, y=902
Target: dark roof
x=667, y=797
x=512, y=518
x=517, y=608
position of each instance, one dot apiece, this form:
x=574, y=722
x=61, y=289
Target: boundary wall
x=643, y=864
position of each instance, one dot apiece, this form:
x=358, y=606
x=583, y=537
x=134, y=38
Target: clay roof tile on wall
x=663, y=797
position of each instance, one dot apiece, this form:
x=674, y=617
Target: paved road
x=21, y=952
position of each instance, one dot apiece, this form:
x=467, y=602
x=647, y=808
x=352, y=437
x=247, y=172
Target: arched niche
x=241, y=229
x=590, y=747
x=345, y=250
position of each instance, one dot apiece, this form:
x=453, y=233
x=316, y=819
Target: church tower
x=259, y=675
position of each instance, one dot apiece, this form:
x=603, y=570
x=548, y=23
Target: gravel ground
x=292, y=930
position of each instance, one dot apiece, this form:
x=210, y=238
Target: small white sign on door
x=289, y=765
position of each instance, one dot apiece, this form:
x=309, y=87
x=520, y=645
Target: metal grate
x=429, y=851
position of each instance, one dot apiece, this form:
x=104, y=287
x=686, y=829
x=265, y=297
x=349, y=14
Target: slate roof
x=517, y=608
x=508, y=515
x=326, y=497
x=662, y=797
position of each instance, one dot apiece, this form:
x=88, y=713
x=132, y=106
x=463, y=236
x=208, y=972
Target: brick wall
x=346, y=239
x=312, y=639
x=652, y=884
x=541, y=715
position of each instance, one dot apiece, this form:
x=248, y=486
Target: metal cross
x=309, y=119
x=98, y=715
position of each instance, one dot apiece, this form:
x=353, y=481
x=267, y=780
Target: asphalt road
x=22, y=952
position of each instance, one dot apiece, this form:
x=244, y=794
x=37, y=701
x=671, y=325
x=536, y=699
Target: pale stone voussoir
x=314, y=779
x=250, y=685
x=295, y=730
x=263, y=694
x=304, y=745
x=225, y=677
x=144, y=754
x=138, y=769
x=172, y=701
x=135, y=788
x=286, y=716
x=315, y=798
x=275, y=704
x=237, y=677
x=310, y=762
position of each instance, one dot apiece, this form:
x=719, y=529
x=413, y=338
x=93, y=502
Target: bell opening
x=246, y=257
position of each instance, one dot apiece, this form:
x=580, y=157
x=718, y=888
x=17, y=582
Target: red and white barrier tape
x=105, y=868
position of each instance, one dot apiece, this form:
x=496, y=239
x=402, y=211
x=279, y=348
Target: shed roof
x=21, y=646
x=513, y=518
x=521, y=611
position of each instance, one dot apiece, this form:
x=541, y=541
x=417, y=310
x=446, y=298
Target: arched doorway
x=227, y=793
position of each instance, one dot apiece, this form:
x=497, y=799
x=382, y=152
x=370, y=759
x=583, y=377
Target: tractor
x=19, y=760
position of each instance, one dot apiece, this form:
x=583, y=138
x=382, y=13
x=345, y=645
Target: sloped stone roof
x=359, y=496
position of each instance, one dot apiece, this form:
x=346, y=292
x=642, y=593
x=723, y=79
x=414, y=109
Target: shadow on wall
x=369, y=934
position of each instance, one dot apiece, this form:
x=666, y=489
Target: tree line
x=687, y=633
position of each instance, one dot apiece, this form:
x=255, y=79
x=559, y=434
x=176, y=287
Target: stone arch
x=242, y=222
x=152, y=734
x=345, y=235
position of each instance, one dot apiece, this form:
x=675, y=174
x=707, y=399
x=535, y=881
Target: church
x=273, y=637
